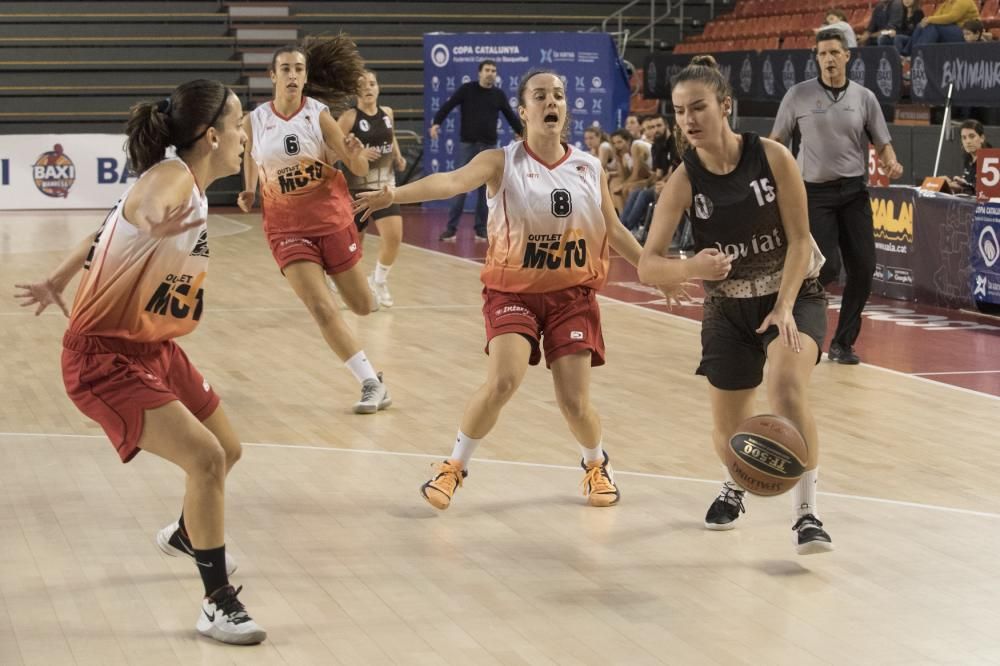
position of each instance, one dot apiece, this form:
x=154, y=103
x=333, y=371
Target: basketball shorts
x=377, y=215
x=564, y=322
x=733, y=353
x=335, y=252
x=115, y=381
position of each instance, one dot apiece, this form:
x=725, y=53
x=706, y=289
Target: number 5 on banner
x=988, y=173
x=876, y=177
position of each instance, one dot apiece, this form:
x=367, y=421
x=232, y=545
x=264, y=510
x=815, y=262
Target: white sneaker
x=331, y=285
x=224, y=618
x=374, y=396
x=381, y=290
x=178, y=547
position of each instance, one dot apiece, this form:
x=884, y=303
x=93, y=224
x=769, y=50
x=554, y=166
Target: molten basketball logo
x=54, y=173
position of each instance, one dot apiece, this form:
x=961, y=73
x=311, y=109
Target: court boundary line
x=517, y=463
x=670, y=315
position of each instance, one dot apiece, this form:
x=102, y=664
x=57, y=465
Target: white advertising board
x=62, y=171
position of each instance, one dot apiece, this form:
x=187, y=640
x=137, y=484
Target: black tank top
x=737, y=213
x=374, y=131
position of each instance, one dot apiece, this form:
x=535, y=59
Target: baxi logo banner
x=62, y=171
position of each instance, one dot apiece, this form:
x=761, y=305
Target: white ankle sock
x=465, y=446
x=381, y=272
x=804, y=494
x=360, y=367
x=727, y=479
x=593, y=455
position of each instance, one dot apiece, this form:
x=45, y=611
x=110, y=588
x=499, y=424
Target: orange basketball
x=767, y=455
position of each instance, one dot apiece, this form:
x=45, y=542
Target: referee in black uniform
x=836, y=120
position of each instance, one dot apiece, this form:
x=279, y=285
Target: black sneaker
x=482, y=237
x=844, y=355
x=447, y=236
x=726, y=509
x=810, y=537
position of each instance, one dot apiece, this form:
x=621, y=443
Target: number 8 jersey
x=546, y=226
x=301, y=195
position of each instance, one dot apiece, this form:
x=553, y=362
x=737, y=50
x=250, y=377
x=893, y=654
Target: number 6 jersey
x=546, y=226
x=301, y=195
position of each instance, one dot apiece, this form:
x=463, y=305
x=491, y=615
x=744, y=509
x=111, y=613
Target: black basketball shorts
x=733, y=353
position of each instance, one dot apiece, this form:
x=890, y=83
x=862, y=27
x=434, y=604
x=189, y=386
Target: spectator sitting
x=599, y=145
x=885, y=16
x=975, y=31
x=621, y=143
x=911, y=18
x=943, y=25
x=973, y=136
x=836, y=19
x=641, y=193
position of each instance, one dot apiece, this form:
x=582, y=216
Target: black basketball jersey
x=374, y=131
x=737, y=213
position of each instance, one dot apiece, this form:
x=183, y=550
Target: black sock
x=212, y=567
x=180, y=539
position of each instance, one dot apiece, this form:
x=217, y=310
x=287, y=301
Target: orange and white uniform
x=302, y=195
x=136, y=295
x=139, y=288
x=546, y=226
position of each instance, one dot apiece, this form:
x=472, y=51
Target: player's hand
x=400, y=163
x=353, y=145
x=246, y=200
x=788, y=331
x=173, y=224
x=42, y=294
x=371, y=154
x=434, y=131
x=711, y=264
x=677, y=294
x=369, y=202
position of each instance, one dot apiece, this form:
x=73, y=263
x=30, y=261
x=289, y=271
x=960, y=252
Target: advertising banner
x=597, y=88
x=985, y=253
x=62, y=171
x=892, y=218
x=767, y=75
x=943, y=240
x=973, y=68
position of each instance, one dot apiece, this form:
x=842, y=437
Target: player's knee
x=234, y=451
x=788, y=394
x=574, y=407
x=208, y=464
x=502, y=387
x=322, y=311
x=359, y=304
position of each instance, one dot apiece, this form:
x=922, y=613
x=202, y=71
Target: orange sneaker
x=599, y=483
x=439, y=490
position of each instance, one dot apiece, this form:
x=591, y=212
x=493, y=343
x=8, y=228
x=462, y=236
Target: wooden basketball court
x=344, y=563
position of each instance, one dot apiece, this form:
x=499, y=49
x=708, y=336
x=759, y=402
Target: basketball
x=767, y=455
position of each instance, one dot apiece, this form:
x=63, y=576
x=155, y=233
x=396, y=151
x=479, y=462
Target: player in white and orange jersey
x=307, y=209
x=550, y=223
x=143, y=285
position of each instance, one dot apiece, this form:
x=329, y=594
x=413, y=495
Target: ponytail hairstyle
x=705, y=70
x=179, y=120
x=523, y=88
x=334, y=68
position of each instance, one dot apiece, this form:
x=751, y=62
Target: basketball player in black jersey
x=747, y=203
x=373, y=125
